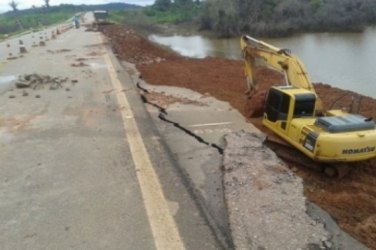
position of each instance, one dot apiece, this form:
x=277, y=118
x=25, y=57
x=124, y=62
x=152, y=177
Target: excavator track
x=292, y=155
x=338, y=170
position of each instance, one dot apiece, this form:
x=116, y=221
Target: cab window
x=304, y=105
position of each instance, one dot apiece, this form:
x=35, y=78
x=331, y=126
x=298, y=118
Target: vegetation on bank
x=134, y=18
x=178, y=11
x=227, y=18
x=151, y=18
x=278, y=18
x=17, y=23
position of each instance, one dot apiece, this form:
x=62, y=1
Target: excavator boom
x=256, y=52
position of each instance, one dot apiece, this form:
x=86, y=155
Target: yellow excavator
x=294, y=112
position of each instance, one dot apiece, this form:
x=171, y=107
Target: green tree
x=315, y=4
x=162, y=5
x=284, y=17
x=47, y=2
x=13, y=4
x=183, y=2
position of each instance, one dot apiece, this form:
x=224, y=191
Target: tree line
x=228, y=18
x=17, y=20
x=14, y=5
x=176, y=11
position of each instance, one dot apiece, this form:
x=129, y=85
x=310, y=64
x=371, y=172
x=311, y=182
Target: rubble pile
x=37, y=81
x=79, y=64
x=58, y=51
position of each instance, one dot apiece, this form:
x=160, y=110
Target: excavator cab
x=277, y=105
x=286, y=108
x=287, y=102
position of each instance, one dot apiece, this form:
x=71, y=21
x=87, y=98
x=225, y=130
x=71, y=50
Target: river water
x=344, y=60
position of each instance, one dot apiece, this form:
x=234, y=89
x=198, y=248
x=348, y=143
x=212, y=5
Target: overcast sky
x=25, y=4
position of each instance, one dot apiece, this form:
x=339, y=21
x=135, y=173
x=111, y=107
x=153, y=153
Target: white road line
x=209, y=124
x=165, y=233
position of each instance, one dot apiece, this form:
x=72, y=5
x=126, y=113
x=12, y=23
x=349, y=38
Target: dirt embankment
x=351, y=200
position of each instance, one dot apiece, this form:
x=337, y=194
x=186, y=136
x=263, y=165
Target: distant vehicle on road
x=100, y=16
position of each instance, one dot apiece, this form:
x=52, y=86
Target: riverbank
x=328, y=57
x=351, y=200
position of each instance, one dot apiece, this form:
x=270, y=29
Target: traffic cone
x=41, y=42
x=22, y=47
x=11, y=57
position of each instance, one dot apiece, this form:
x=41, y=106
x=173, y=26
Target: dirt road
x=351, y=200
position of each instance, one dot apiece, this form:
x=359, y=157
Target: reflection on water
x=199, y=46
x=345, y=60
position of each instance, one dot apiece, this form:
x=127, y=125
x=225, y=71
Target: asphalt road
x=81, y=164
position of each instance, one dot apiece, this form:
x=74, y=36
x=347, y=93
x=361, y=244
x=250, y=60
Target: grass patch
x=135, y=19
x=13, y=24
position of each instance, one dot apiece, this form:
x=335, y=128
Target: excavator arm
x=257, y=52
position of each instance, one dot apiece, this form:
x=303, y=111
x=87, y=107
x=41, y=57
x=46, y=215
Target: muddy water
x=345, y=60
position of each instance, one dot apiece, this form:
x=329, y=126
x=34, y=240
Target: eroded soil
x=350, y=200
